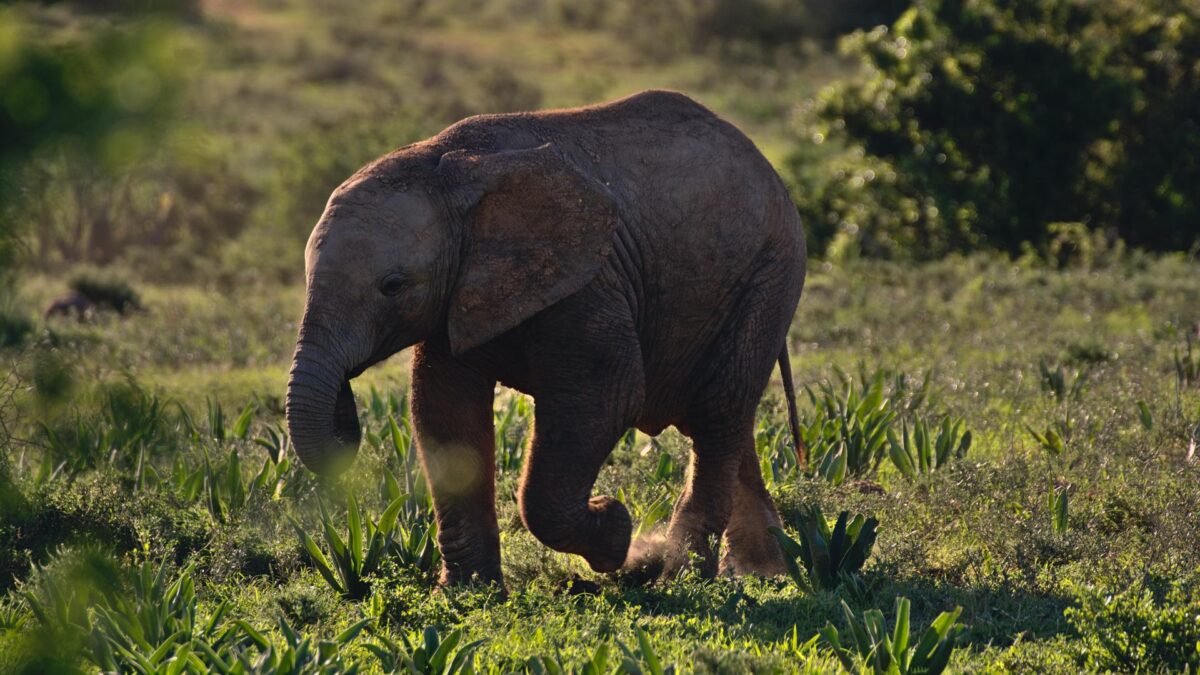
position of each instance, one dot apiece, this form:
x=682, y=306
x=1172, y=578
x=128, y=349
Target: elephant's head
x=426, y=244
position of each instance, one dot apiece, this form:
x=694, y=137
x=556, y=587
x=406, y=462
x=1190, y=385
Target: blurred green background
x=198, y=139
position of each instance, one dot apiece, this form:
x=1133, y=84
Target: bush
x=308, y=168
x=15, y=328
x=664, y=29
x=107, y=290
x=980, y=124
x=1134, y=629
x=161, y=214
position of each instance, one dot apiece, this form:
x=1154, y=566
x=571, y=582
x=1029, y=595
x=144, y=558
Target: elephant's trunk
x=321, y=416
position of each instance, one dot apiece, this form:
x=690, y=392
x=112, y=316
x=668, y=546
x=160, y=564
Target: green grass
x=1108, y=582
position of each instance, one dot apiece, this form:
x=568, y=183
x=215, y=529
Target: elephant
x=631, y=264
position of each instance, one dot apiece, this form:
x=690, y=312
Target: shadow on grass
x=995, y=616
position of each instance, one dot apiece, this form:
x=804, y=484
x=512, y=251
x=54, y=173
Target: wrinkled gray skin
x=632, y=264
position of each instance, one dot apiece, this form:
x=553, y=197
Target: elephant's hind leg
x=703, y=510
x=749, y=546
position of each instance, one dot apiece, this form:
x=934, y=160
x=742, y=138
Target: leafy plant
x=416, y=542
x=1056, y=504
x=399, y=435
x=512, y=429
x=1187, y=364
x=920, y=452
x=357, y=556
x=224, y=494
x=380, y=406
x=241, y=425
x=870, y=647
x=156, y=622
x=275, y=441
x=1050, y=440
x=297, y=655
x=778, y=461
x=1064, y=385
x=643, y=659
x=145, y=622
x=12, y=617
x=128, y=423
x=1145, y=416
x=823, y=558
x=224, y=491
x=647, y=513
x=847, y=435
x=429, y=655
x=596, y=664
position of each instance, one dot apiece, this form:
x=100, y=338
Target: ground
x=1115, y=583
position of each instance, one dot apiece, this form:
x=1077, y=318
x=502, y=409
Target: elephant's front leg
x=557, y=505
x=452, y=412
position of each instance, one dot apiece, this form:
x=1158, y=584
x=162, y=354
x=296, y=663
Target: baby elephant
x=631, y=264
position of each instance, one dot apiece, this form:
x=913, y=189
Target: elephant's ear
x=538, y=231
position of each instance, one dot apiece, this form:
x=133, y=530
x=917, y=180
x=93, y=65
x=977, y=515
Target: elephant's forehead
x=375, y=227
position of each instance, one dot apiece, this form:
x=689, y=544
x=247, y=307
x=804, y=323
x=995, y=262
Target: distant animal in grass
x=91, y=293
x=73, y=305
x=632, y=264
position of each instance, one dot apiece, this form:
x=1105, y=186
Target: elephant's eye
x=392, y=284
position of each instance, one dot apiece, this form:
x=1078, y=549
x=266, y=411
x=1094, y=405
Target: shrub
x=107, y=290
x=661, y=30
x=982, y=123
x=15, y=329
x=1135, y=629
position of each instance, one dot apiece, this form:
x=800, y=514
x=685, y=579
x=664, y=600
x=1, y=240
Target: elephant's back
x=705, y=218
x=680, y=173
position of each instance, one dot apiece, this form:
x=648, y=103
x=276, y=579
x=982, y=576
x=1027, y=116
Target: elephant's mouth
x=346, y=431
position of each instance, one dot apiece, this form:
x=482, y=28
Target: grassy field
x=1023, y=430
x=139, y=474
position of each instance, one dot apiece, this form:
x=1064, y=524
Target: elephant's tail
x=789, y=392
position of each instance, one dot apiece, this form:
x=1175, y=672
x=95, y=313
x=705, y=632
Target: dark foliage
x=984, y=123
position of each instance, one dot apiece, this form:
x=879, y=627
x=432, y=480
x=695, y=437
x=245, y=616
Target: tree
x=982, y=123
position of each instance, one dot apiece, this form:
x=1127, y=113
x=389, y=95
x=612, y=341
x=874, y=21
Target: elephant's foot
x=690, y=543
x=599, y=532
x=461, y=575
x=764, y=560
x=469, y=558
x=606, y=541
x=646, y=560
